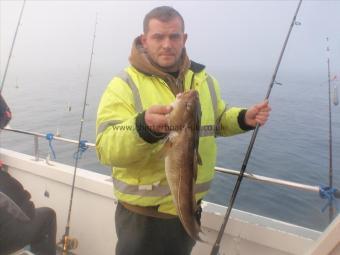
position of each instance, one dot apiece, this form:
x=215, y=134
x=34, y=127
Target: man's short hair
x=162, y=13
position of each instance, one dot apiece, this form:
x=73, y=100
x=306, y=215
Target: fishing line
x=69, y=243
x=12, y=47
x=66, y=110
x=216, y=246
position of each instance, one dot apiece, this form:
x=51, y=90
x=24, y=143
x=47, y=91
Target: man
x=132, y=124
x=21, y=223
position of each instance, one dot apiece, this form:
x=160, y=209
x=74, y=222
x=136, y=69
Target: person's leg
x=138, y=234
x=11, y=237
x=176, y=240
x=40, y=233
x=45, y=226
x=134, y=233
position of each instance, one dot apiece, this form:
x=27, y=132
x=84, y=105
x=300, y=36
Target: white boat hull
x=92, y=218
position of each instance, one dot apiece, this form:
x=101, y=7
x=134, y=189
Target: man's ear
x=143, y=40
x=185, y=38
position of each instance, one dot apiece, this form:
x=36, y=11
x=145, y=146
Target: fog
x=238, y=38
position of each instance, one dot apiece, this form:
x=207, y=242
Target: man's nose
x=166, y=44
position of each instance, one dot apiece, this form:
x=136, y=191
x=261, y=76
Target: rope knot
x=328, y=193
x=82, y=148
x=49, y=137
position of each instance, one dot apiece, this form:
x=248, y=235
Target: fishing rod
x=330, y=171
x=216, y=246
x=67, y=241
x=12, y=47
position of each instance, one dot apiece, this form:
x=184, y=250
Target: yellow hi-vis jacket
x=138, y=166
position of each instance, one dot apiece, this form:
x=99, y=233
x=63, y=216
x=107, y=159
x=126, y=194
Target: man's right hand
x=156, y=118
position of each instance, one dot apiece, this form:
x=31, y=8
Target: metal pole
x=36, y=148
x=289, y=184
x=58, y=138
x=250, y=176
x=216, y=245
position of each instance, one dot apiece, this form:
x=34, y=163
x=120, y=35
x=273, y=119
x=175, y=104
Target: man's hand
x=258, y=113
x=156, y=118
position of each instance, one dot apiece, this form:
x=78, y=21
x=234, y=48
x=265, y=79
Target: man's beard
x=171, y=68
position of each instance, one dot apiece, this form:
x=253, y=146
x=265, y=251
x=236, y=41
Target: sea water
x=293, y=145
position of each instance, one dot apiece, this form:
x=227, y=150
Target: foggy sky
x=236, y=37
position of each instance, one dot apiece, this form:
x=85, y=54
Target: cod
x=182, y=158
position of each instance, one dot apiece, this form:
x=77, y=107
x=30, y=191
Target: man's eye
x=158, y=37
x=175, y=36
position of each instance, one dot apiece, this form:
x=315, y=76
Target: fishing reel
x=66, y=244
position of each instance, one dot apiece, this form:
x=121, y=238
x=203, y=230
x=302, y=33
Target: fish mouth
x=191, y=94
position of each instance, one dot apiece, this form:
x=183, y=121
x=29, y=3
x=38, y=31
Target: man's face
x=164, y=42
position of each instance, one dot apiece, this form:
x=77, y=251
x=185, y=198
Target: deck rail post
x=36, y=148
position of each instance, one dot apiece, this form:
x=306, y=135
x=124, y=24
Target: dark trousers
x=142, y=235
x=40, y=233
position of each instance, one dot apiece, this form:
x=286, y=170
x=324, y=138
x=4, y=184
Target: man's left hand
x=258, y=113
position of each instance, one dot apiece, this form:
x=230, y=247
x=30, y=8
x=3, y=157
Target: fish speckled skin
x=182, y=158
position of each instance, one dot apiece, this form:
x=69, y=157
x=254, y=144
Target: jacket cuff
x=145, y=132
x=242, y=122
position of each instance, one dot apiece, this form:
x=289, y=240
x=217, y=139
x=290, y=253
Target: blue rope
x=49, y=137
x=82, y=148
x=329, y=194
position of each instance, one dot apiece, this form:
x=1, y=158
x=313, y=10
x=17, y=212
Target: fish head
x=186, y=110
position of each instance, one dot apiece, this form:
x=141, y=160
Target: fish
x=182, y=158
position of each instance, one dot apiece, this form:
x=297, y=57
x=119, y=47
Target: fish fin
x=172, y=136
x=200, y=235
x=199, y=159
x=170, y=139
x=197, y=132
x=195, y=166
x=202, y=238
x=167, y=144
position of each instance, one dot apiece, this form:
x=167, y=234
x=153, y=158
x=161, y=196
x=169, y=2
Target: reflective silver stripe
x=212, y=95
x=127, y=78
x=152, y=190
x=106, y=124
x=207, y=130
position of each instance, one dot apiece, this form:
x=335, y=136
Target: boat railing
x=250, y=176
x=37, y=135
